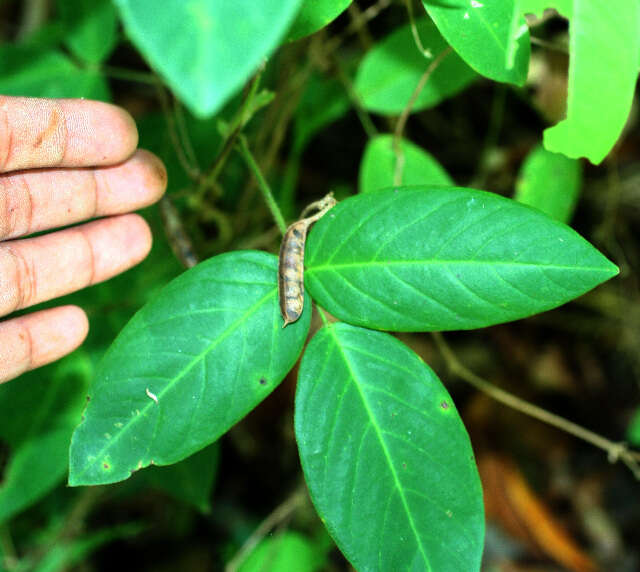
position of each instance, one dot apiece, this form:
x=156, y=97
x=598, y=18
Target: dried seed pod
x=291, y=262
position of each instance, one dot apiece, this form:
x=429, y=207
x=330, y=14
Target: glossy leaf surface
x=550, y=182
x=423, y=259
x=379, y=164
x=386, y=457
x=603, y=69
x=492, y=37
x=316, y=14
x=391, y=70
x=206, y=49
x=189, y=365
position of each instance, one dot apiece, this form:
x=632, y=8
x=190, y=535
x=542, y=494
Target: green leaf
x=190, y=480
x=208, y=348
x=633, y=430
x=391, y=70
x=492, y=37
x=315, y=15
x=284, y=553
x=93, y=27
x=603, y=68
x=386, y=457
x=31, y=71
x=550, y=182
x=39, y=413
x=206, y=49
x=378, y=167
x=422, y=259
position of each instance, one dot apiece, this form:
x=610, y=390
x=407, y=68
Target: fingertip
x=75, y=319
x=139, y=234
x=153, y=175
x=102, y=133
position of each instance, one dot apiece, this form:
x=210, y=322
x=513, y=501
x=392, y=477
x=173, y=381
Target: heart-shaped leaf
x=380, y=162
x=386, y=457
x=420, y=259
x=189, y=365
x=206, y=49
x=492, y=37
x=391, y=71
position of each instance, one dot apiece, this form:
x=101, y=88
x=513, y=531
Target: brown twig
x=615, y=451
x=281, y=513
x=404, y=116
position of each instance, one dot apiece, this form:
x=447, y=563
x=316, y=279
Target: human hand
x=61, y=162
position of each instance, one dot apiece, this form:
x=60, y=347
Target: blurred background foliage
x=553, y=502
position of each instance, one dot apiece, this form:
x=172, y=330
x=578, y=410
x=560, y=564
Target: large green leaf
x=316, y=14
x=492, y=37
x=206, y=49
x=93, y=28
x=419, y=259
x=189, y=365
x=32, y=71
x=550, y=182
x=379, y=162
x=603, y=68
x=391, y=70
x=385, y=454
x=39, y=412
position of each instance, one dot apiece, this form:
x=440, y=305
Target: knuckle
x=89, y=258
x=16, y=206
x=24, y=279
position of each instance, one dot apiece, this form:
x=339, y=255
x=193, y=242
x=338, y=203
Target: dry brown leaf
x=513, y=504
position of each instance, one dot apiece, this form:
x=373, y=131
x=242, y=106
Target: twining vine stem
x=262, y=183
x=404, y=116
x=616, y=451
x=280, y=514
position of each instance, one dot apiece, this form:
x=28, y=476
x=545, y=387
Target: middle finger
x=31, y=201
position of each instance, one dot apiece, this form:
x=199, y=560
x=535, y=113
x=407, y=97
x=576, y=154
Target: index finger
x=38, y=132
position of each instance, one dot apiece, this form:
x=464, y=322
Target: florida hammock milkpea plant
x=383, y=449
x=384, y=452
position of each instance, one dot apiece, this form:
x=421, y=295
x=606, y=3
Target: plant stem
x=262, y=183
x=404, y=116
x=130, y=75
x=615, y=451
x=282, y=512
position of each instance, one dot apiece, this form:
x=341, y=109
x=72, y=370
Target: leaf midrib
x=214, y=343
x=443, y=262
x=374, y=424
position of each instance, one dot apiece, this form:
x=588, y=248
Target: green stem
x=129, y=75
x=262, y=183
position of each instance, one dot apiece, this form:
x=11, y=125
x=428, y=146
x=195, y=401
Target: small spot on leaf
x=449, y=513
x=263, y=381
x=444, y=405
x=106, y=466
